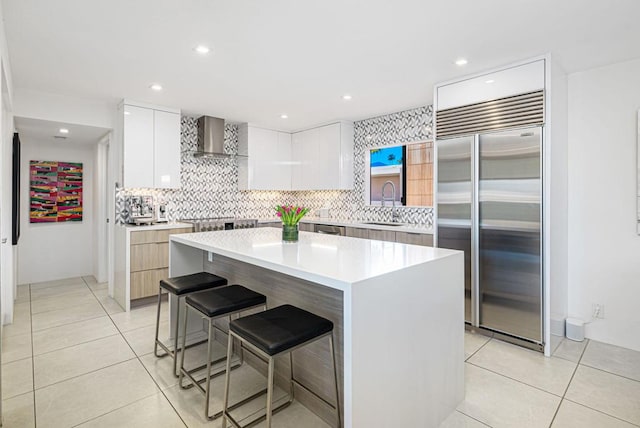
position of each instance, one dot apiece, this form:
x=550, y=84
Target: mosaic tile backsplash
x=210, y=186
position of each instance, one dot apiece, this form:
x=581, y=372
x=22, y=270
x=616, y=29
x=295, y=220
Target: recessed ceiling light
x=202, y=49
x=64, y=131
x=156, y=87
x=489, y=81
x=127, y=112
x=461, y=61
x=346, y=97
x=284, y=116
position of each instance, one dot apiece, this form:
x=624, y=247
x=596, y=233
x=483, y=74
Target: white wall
x=604, y=248
x=56, y=250
x=7, y=251
x=558, y=189
x=63, y=108
x=100, y=204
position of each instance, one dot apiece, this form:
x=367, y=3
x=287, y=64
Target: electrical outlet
x=210, y=256
x=598, y=311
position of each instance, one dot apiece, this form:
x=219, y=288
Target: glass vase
x=290, y=233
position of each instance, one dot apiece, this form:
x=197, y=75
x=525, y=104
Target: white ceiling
x=299, y=57
x=44, y=130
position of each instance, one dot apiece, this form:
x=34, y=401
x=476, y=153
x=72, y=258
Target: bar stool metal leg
x=175, y=333
x=209, y=352
x=155, y=347
x=335, y=379
x=270, y=392
x=225, y=401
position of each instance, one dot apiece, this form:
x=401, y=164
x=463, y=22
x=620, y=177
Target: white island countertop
x=334, y=261
x=386, y=299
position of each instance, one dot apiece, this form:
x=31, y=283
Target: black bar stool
x=181, y=286
x=275, y=332
x=214, y=304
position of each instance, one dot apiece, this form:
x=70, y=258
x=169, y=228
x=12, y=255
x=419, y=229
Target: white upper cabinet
x=514, y=80
x=166, y=154
x=268, y=162
x=323, y=158
x=316, y=159
x=150, y=146
x=137, y=146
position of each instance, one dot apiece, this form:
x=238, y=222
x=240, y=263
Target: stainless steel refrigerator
x=489, y=205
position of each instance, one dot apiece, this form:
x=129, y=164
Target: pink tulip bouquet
x=290, y=215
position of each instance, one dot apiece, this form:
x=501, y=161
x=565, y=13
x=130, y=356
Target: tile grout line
x=515, y=380
x=471, y=417
x=569, y=384
x=141, y=363
x=77, y=344
x=601, y=412
x=33, y=366
x=604, y=371
x=69, y=323
x=611, y=373
x=466, y=361
x=482, y=346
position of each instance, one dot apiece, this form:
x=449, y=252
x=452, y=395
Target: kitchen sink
x=381, y=223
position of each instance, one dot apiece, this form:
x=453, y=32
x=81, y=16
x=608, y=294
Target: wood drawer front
x=414, y=238
x=382, y=235
x=162, y=235
x=356, y=232
x=149, y=256
x=306, y=227
x=145, y=283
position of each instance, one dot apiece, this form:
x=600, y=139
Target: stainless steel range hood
x=210, y=137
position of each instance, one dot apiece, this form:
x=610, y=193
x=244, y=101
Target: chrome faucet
x=394, y=212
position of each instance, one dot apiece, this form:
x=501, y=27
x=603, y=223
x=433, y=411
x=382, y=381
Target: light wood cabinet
x=357, y=232
x=414, y=238
x=145, y=283
x=382, y=235
x=162, y=235
x=149, y=260
x=149, y=256
x=306, y=227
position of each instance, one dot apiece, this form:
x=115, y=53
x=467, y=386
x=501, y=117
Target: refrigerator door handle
x=475, y=232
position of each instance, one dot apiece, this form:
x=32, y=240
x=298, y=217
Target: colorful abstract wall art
x=55, y=191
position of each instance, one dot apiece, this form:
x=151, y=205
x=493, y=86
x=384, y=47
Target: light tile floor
x=74, y=358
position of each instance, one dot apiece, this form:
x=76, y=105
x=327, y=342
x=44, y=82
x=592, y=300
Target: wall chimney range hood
x=211, y=138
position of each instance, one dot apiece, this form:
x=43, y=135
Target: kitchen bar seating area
x=241, y=214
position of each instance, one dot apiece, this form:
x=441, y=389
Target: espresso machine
x=140, y=209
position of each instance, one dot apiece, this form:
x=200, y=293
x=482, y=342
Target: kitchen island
x=397, y=311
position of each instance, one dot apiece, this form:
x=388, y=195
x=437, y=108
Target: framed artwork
x=55, y=191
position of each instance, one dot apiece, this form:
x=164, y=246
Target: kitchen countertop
x=157, y=226
x=334, y=261
x=406, y=227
